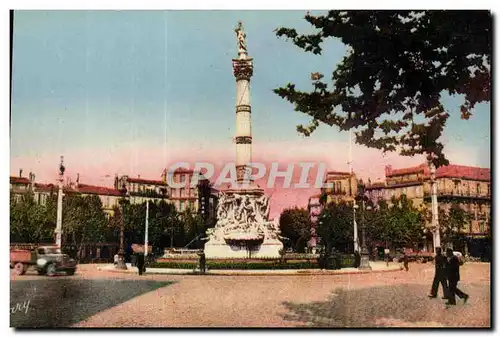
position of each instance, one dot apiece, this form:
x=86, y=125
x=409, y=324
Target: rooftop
x=19, y=180
x=101, y=190
x=449, y=171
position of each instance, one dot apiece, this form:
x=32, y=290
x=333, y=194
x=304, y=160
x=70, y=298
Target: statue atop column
x=241, y=36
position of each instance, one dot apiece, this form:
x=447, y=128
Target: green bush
x=346, y=262
x=239, y=265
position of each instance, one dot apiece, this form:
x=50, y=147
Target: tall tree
x=193, y=228
x=83, y=219
x=399, y=63
x=335, y=226
x=399, y=223
x=295, y=225
x=30, y=222
x=162, y=217
x=453, y=223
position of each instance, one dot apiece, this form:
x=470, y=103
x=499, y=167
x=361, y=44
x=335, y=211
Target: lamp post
x=434, y=204
x=58, y=230
x=355, y=227
x=121, y=252
x=365, y=259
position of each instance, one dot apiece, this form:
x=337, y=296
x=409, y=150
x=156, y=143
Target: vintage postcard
x=241, y=169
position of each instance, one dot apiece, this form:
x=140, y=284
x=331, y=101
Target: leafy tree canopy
x=399, y=63
x=335, y=226
x=296, y=226
x=29, y=221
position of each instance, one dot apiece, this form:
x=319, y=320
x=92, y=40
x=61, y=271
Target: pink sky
x=99, y=166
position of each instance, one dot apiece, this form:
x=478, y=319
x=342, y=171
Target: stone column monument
x=243, y=229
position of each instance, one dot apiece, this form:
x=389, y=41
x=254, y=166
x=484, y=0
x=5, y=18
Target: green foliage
x=346, y=261
x=335, y=226
x=296, y=226
x=399, y=63
x=400, y=223
x=453, y=222
x=166, y=228
x=83, y=219
x=29, y=221
x=273, y=264
x=162, y=217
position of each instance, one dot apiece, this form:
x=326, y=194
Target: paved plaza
x=95, y=298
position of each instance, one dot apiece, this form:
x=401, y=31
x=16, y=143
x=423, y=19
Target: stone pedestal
x=243, y=229
x=217, y=250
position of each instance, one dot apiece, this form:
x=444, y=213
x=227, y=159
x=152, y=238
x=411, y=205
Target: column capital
x=243, y=69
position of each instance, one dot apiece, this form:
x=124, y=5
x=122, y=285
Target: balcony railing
x=149, y=194
x=459, y=194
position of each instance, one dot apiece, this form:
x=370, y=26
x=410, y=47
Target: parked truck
x=47, y=260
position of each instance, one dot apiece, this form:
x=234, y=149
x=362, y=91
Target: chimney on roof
x=116, y=181
x=388, y=170
x=20, y=173
x=77, y=178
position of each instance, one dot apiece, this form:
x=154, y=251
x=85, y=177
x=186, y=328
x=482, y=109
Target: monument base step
x=267, y=249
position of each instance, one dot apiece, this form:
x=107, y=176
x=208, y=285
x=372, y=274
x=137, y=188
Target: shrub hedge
x=238, y=265
x=346, y=261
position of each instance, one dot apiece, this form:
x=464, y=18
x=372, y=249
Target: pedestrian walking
x=322, y=259
x=405, y=260
x=202, y=262
x=140, y=263
x=452, y=272
x=439, y=275
x=357, y=259
x=386, y=256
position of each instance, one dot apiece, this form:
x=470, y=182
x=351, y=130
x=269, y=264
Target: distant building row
x=468, y=186
x=136, y=190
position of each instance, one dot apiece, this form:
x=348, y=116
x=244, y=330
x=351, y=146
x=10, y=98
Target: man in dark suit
x=203, y=262
x=140, y=263
x=439, y=275
x=452, y=271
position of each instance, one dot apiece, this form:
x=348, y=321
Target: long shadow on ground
x=64, y=302
x=393, y=306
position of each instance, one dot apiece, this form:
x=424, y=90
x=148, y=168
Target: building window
x=182, y=206
x=478, y=188
x=181, y=192
x=339, y=187
x=481, y=227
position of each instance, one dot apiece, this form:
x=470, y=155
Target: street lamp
x=121, y=252
x=365, y=260
x=58, y=230
x=434, y=203
x=355, y=227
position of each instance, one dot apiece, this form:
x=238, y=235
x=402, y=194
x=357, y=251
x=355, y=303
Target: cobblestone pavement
x=393, y=299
